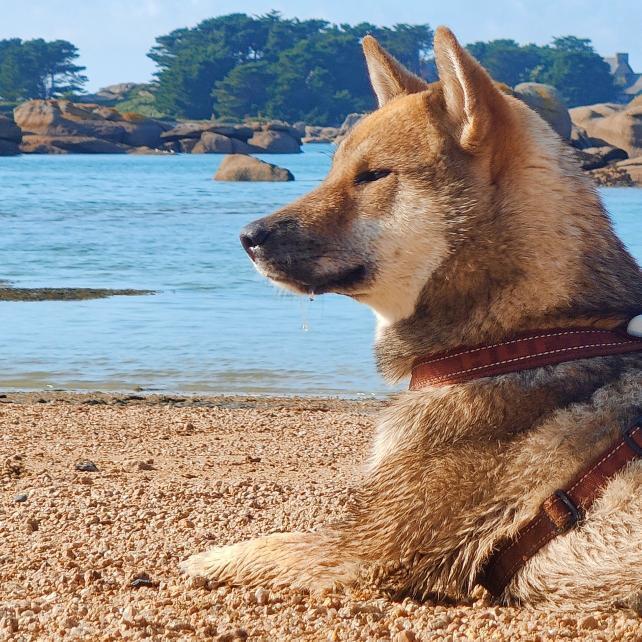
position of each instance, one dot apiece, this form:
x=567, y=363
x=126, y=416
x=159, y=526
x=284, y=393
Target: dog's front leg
x=299, y=560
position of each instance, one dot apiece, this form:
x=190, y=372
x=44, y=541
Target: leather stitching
x=507, y=343
x=530, y=356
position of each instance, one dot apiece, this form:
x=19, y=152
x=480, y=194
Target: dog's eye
x=370, y=176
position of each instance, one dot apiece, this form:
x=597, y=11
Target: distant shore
x=64, y=294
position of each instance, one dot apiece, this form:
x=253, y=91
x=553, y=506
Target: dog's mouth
x=341, y=282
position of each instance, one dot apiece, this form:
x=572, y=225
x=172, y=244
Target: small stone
x=405, y=636
x=589, y=622
x=232, y=636
x=21, y=497
x=142, y=579
x=86, y=466
x=197, y=582
x=144, y=465
x=262, y=596
x=32, y=525
x=129, y=615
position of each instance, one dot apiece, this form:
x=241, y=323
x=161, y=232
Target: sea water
x=214, y=325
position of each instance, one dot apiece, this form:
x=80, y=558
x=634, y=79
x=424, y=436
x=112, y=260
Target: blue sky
x=114, y=35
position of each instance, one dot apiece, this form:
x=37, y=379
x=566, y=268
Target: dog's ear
x=475, y=106
x=389, y=78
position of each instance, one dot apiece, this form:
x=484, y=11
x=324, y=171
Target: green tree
x=580, y=75
x=506, y=61
x=38, y=69
x=237, y=66
x=245, y=90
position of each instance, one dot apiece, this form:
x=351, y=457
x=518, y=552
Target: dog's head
x=425, y=181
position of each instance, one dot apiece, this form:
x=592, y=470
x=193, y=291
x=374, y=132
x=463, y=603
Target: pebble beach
x=102, y=495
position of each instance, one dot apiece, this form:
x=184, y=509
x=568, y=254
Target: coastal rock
x=281, y=126
x=213, y=143
x=633, y=167
x=596, y=157
x=618, y=125
x=35, y=144
x=240, y=132
x=62, y=118
x=611, y=176
x=273, y=141
x=9, y=131
x=547, y=102
x=195, y=130
x=315, y=134
x=184, y=131
x=350, y=121
x=238, y=167
x=10, y=137
x=8, y=148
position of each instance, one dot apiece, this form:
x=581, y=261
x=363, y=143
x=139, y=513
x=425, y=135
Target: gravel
x=94, y=556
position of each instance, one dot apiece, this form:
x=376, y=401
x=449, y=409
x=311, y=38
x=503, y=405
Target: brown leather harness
x=565, y=508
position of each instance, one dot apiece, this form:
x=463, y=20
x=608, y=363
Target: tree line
x=38, y=69
x=237, y=66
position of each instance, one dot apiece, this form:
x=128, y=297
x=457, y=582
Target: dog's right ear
x=474, y=104
x=389, y=78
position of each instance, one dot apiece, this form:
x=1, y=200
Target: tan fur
x=483, y=227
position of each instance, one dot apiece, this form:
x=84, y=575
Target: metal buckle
x=628, y=438
x=575, y=512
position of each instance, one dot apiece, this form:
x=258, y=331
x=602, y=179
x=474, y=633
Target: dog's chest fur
x=478, y=460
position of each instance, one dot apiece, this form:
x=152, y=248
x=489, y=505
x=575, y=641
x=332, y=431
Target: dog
x=458, y=215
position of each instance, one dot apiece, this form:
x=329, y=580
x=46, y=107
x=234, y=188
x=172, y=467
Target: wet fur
x=485, y=228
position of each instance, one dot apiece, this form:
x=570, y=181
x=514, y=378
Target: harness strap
x=560, y=512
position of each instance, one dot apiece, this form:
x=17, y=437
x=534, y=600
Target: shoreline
x=102, y=495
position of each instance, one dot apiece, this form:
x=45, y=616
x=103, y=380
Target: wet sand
x=102, y=495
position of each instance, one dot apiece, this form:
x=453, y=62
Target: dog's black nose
x=254, y=235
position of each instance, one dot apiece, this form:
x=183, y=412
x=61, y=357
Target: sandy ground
x=92, y=554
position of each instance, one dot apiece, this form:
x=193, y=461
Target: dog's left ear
x=389, y=77
x=474, y=105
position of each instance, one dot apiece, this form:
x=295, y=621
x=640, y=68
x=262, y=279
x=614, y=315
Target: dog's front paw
x=214, y=564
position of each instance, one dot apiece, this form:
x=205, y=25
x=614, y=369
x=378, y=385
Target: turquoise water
x=215, y=325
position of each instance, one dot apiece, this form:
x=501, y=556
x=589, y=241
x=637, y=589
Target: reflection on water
x=161, y=223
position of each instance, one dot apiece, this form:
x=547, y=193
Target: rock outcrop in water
x=61, y=126
x=547, y=102
x=10, y=137
x=64, y=294
x=238, y=167
x=614, y=133
x=618, y=125
x=208, y=137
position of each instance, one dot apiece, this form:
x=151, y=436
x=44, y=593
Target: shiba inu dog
x=461, y=218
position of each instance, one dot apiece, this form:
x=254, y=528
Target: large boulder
x=36, y=144
x=213, y=143
x=185, y=130
x=547, y=102
x=195, y=130
x=618, y=125
x=10, y=137
x=238, y=167
x=316, y=134
x=275, y=141
x=596, y=157
x=282, y=126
